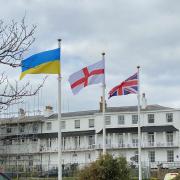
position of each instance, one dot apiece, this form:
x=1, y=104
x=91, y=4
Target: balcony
x=165, y=164
x=135, y=145
x=36, y=148
x=21, y=149
x=44, y=149
x=159, y=144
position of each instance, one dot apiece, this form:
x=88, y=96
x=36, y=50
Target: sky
x=130, y=32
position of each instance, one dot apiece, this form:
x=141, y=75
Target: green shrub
x=106, y=167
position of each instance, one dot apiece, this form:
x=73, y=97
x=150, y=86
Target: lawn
x=66, y=178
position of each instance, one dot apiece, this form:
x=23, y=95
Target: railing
x=36, y=148
x=135, y=145
x=21, y=149
x=164, y=164
x=77, y=148
x=108, y=146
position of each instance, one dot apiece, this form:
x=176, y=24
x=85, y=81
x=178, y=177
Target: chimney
x=144, y=101
x=21, y=113
x=101, y=104
x=48, y=111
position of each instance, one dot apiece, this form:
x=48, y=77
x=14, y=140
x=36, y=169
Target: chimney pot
x=144, y=101
x=48, y=111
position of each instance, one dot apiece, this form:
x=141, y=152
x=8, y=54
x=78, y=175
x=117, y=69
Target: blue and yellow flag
x=47, y=62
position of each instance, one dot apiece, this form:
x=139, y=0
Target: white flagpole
x=103, y=110
x=139, y=128
x=59, y=120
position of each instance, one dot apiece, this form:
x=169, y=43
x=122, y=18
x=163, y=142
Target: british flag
x=129, y=86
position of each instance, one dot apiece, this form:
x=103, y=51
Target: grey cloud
x=132, y=33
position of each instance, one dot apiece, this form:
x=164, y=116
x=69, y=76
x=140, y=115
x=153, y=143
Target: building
x=31, y=141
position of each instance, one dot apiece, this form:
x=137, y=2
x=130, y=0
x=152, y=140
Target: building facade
x=32, y=140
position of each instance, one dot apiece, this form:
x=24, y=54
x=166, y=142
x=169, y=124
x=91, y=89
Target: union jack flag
x=129, y=86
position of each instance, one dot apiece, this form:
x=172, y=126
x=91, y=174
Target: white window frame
x=120, y=140
x=91, y=123
x=22, y=128
x=91, y=140
x=170, y=156
x=152, y=156
x=169, y=117
x=108, y=120
x=77, y=124
x=134, y=119
x=121, y=120
x=63, y=124
x=35, y=127
x=151, y=118
x=170, y=138
x=151, y=139
x=49, y=126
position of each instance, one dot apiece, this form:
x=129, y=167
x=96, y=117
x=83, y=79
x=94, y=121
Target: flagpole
x=139, y=128
x=103, y=110
x=59, y=121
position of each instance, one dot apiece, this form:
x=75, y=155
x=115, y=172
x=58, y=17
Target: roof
x=67, y=134
x=168, y=128
x=22, y=120
x=154, y=107
x=52, y=135
x=122, y=109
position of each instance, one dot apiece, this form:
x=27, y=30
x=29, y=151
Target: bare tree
x=15, y=40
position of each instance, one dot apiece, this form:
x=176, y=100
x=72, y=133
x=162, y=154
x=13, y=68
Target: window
x=169, y=117
x=108, y=139
x=64, y=142
x=121, y=119
x=108, y=120
x=48, y=125
x=48, y=142
x=150, y=118
x=169, y=137
x=170, y=156
x=134, y=119
x=77, y=124
x=151, y=139
x=120, y=140
x=77, y=141
x=151, y=156
x=35, y=127
x=91, y=123
x=136, y=156
x=91, y=140
x=135, y=140
x=8, y=130
x=21, y=128
x=63, y=125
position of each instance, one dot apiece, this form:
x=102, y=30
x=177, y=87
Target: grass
x=65, y=178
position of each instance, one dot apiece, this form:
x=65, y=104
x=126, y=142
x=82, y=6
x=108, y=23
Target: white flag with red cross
x=89, y=75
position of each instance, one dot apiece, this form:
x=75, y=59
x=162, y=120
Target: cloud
x=132, y=33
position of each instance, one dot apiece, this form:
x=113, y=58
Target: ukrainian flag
x=47, y=62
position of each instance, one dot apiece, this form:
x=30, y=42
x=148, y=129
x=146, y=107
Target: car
x=170, y=176
x=51, y=173
x=4, y=177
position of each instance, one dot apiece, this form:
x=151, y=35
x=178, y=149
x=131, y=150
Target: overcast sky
x=130, y=32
